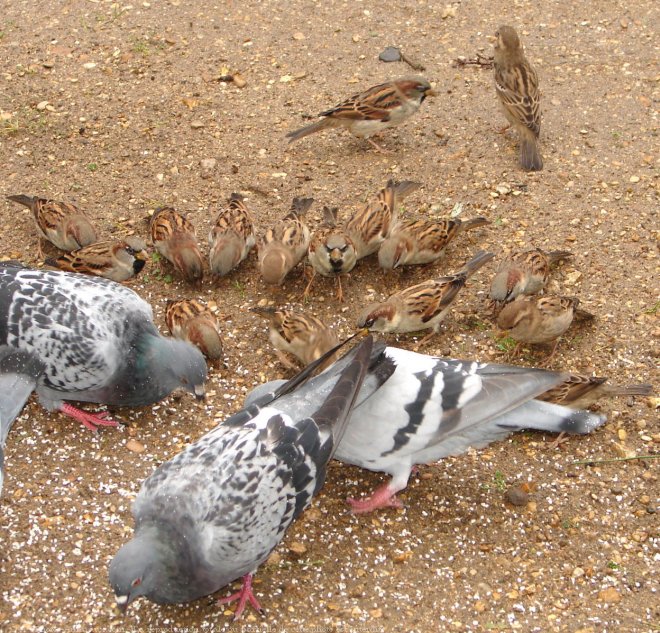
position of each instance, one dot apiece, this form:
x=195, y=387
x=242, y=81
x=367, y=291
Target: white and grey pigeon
x=96, y=341
x=430, y=408
x=215, y=512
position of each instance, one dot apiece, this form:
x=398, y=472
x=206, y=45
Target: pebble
x=196, y=125
x=516, y=496
x=609, y=595
x=208, y=163
x=134, y=446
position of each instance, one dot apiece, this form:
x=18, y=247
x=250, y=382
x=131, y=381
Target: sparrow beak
x=431, y=93
x=491, y=38
x=200, y=394
x=141, y=255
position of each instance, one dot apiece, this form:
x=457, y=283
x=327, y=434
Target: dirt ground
x=120, y=108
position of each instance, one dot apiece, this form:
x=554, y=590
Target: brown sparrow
x=192, y=321
x=536, y=320
x=374, y=110
x=369, y=227
x=331, y=252
x=422, y=306
x=517, y=86
x=580, y=392
x=302, y=335
x=232, y=236
x=113, y=260
x=524, y=273
x=174, y=238
x=421, y=241
x=59, y=222
x=285, y=244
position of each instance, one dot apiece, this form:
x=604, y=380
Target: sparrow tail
x=530, y=159
x=317, y=126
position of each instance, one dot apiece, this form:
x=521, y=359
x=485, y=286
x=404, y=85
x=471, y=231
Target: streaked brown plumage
x=369, y=227
x=114, y=260
x=285, y=244
x=61, y=223
x=422, y=306
x=421, y=241
x=524, y=273
x=372, y=111
x=517, y=87
x=232, y=236
x=302, y=335
x=580, y=392
x=192, y=321
x=174, y=238
x=331, y=251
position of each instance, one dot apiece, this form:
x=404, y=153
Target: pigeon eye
x=136, y=582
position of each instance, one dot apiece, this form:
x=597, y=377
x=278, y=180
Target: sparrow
x=517, y=87
x=190, y=320
x=369, y=227
x=422, y=306
x=331, y=252
x=523, y=273
x=60, y=223
x=232, y=236
x=174, y=238
x=537, y=320
x=367, y=113
x=421, y=241
x=580, y=392
x=302, y=335
x=115, y=260
x=285, y=244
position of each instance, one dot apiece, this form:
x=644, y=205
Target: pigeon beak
x=122, y=603
x=200, y=394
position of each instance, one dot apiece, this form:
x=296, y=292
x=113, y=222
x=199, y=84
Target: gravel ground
x=120, y=108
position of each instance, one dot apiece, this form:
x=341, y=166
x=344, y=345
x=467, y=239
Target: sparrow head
x=416, y=88
x=378, y=317
x=506, y=39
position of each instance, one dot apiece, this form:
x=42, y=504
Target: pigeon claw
x=243, y=595
x=383, y=497
x=89, y=420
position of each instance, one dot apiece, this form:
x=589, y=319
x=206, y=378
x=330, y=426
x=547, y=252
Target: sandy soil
x=114, y=107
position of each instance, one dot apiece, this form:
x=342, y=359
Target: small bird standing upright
x=302, y=335
x=59, y=222
x=190, y=320
x=421, y=241
x=422, y=306
x=285, y=244
x=537, y=320
x=523, y=273
x=374, y=110
x=215, y=512
x=115, y=260
x=331, y=251
x=369, y=227
x=232, y=236
x=174, y=238
x=517, y=86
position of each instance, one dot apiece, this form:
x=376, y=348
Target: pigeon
x=97, y=342
x=427, y=408
x=214, y=512
x=61, y=223
x=19, y=372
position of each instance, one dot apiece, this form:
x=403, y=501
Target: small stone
x=622, y=434
x=516, y=496
x=479, y=606
x=503, y=189
x=376, y=613
x=208, y=163
x=42, y=105
x=196, y=125
x=578, y=572
x=609, y=595
x=239, y=80
x=634, y=179
x=274, y=559
x=297, y=548
x=134, y=446
x=89, y=65
x=298, y=36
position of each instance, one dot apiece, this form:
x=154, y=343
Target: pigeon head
x=167, y=364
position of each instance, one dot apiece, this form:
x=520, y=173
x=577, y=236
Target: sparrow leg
x=383, y=497
x=340, y=292
x=90, y=420
x=243, y=595
x=503, y=130
x=426, y=339
x=309, y=284
x=380, y=148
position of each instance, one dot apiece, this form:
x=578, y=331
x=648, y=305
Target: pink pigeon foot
x=383, y=497
x=243, y=595
x=90, y=420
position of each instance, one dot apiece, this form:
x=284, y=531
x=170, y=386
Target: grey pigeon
x=430, y=408
x=96, y=340
x=215, y=512
x=19, y=371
